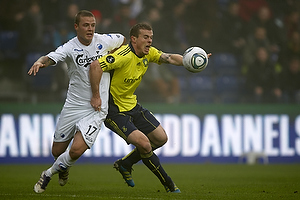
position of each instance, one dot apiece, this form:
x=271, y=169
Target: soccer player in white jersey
x=78, y=119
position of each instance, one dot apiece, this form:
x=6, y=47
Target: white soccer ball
x=195, y=59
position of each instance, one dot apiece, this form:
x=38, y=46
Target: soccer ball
x=195, y=59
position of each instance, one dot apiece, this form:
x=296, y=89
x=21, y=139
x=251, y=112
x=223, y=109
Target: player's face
x=85, y=30
x=143, y=42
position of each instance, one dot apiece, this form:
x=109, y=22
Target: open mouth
x=147, y=47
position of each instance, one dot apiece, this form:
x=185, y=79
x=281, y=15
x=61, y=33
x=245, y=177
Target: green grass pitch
x=196, y=181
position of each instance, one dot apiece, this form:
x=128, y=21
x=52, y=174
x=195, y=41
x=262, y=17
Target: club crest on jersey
x=145, y=61
x=99, y=46
x=110, y=59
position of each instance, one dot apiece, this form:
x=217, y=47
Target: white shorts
x=73, y=119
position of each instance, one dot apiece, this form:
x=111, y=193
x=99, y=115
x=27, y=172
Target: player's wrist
x=96, y=96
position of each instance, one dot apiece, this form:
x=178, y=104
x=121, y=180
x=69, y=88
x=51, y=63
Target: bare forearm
x=46, y=61
x=174, y=59
x=95, y=74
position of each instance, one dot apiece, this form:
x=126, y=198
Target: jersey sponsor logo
x=110, y=59
x=85, y=61
x=132, y=80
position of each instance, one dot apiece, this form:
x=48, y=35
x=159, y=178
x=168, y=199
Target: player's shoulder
x=108, y=36
x=67, y=46
x=124, y=50
x=121, y=55
x=153, y=52
x=71, y=43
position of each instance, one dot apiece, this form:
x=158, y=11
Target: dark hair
x=135, y=30
x=82, y=13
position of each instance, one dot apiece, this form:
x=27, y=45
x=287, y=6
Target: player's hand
x=35, y=68
x=96, y=103
x=209, y=55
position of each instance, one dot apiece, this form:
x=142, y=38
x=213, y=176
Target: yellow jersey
x=127, y=71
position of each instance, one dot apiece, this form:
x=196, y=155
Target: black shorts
x=124, y=123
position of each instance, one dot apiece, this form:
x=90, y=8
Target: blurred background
x=243, y=107
x=255, y=46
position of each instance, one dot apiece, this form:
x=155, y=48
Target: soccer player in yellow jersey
x=126, y=117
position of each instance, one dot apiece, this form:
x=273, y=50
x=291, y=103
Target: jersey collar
x=132, y=49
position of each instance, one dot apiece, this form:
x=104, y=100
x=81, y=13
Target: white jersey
x=78, y=58
x=77, y=113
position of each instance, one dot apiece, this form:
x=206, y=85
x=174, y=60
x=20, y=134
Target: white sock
x=62, y=163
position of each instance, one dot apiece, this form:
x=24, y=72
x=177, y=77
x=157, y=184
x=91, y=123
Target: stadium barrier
x=212, y=133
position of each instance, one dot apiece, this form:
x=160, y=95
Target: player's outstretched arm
x=174, y=59
x=42, y=62
x=95, y=74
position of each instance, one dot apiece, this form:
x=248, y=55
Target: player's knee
x=140, y=141
x=75, y=153
x=143, y=146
